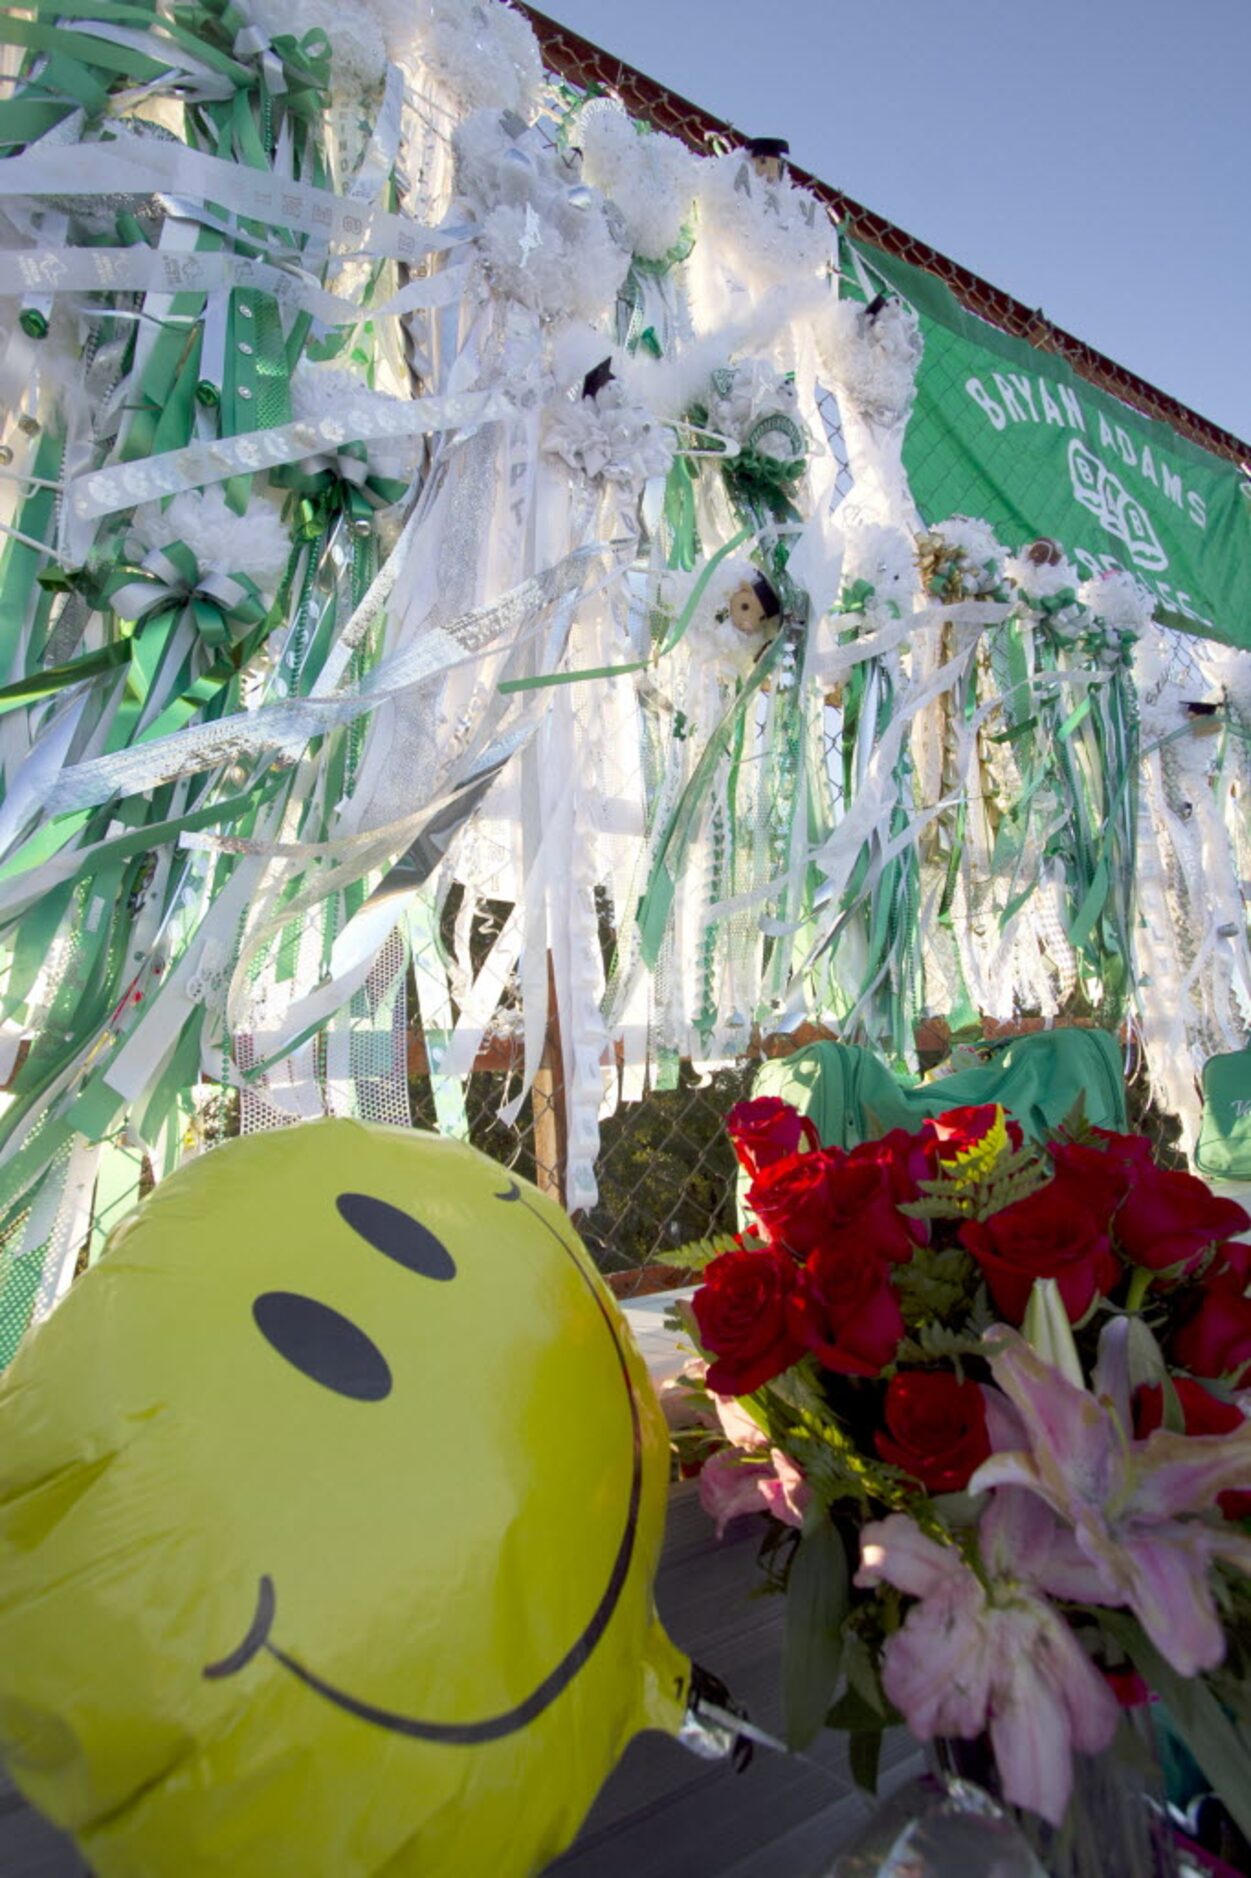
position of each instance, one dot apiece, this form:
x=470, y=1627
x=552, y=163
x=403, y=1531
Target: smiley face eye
x=397, y=1235
x=323, y=1345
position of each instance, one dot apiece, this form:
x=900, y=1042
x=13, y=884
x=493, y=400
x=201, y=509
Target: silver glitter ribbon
x=283, y=730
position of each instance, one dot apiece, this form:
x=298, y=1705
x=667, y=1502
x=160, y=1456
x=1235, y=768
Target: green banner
x=1009, y=433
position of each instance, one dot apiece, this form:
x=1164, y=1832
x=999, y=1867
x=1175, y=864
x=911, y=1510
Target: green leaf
x=1075, y=1126
x=862, y=1677
x=817, y=1601
x=864, y=1751
x=1217, y=1743
x=697, y=1253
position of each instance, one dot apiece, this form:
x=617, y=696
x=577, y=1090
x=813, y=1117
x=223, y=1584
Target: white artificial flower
x=742, y=401
x=255, y=543
x=650, y=177
x=611, y=437
x=547, y=239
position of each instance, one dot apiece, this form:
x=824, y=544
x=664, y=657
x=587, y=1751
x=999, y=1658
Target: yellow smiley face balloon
x=330, y=1503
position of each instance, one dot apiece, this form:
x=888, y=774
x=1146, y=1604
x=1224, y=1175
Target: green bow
x=169, y=582
x=338, y=482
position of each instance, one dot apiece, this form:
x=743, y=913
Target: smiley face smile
x=331, y=1350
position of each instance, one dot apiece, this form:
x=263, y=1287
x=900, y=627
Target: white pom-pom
x=882, y=556
x=1119, y=600
x=770, y=231
x=358, y=53
x=975, y=539
x=651, y=177
x=255, y=543
x=480, y=51
x=872, y=361
x=547, y=238
x=1041, y=570
x=611, y=436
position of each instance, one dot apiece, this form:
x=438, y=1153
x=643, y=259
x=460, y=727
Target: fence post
x=547, y=1102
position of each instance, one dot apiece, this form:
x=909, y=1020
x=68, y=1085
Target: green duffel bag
x=1223, y=1151
x=851, y=1096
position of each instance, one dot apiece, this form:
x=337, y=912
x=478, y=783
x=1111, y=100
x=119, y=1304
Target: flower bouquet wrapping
x=989, y=1392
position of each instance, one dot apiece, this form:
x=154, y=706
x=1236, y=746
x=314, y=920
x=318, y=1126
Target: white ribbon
x=252, y=42
x=124, y=485
x=130, y=165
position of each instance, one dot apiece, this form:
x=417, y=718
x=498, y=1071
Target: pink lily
x=749, y=1476
x=976, y=1654
x=1129, y=1504
x=733, y=1481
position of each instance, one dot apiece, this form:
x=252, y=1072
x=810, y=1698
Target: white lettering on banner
x=1018, y=399
x=1069, y=399
x=979, y=394
x=1010, y=404
x=1107, y=498
x=1051, y=410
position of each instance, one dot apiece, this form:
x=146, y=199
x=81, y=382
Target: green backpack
x=851, y=1096
x=1224, y=1147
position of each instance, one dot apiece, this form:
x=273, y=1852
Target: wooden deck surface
x=663, y=1813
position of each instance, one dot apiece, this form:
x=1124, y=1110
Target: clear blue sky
x=1089, y=156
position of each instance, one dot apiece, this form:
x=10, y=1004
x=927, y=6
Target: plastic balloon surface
x=330, y=1504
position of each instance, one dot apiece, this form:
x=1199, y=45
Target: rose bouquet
x=989, y=1393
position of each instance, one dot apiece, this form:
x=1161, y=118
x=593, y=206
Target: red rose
x=958, y=1130
x=1046, y=1235
x=936, y=1428
x=858, y=1199
x=790, y=1198
x=1098, y=1178
x=844, y=1309
x=1216, y=1341
x=767, y=1130
x=1202, y=1414
x=741, y=1311
x=1172, y=1218
x=906, y=1160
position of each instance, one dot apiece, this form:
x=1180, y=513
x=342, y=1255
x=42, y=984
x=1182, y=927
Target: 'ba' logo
x=1107, y=498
